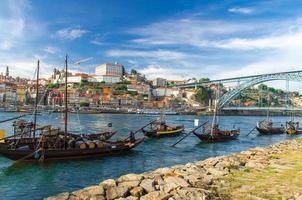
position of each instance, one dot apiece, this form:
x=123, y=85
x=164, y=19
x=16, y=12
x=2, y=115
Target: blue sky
x=176, y=39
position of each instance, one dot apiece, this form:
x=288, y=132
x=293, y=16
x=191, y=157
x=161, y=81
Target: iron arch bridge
x=246, y=82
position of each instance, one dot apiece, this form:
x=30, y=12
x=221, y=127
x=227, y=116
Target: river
x=38, y=180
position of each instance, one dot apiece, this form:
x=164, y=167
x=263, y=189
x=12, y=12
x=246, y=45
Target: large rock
x=89, y=193
x=61, y=196
x=191, y=193
x=117, y=192
x=129, y=184
x=171, y=183
x=156, y=195
x=148, y=185
x=108, y=183
x=130, y=177
x=137, y=191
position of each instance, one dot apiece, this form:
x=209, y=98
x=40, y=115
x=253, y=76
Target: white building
x=110, y=69
x=159, y=82
x=163, y=91
x=107, y=79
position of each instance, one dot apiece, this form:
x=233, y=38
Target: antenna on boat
x=36, y=103
x=65, y=99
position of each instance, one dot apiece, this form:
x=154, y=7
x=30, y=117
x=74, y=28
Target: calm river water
x=38, y=180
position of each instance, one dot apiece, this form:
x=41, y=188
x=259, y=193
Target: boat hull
x=217, y=136
x=66, y=154
x=270, y=131
x=167, y=133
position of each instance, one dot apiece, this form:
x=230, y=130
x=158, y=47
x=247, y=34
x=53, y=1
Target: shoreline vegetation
x=272, y=172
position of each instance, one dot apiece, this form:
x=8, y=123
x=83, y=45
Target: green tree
x=133, y=72
x=84, y=104
x=204, y=79
x=202, y=94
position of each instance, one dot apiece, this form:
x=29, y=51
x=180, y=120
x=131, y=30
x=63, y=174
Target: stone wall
x=200, y=180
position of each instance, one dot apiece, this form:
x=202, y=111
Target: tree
x=84, y=104
x=202, y=94
x=133, y=72
x=204, y=79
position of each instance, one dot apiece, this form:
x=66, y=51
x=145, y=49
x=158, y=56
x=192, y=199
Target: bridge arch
x=297, y=76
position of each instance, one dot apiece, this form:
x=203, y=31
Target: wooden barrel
x=99, y=144
x=2, y=135
x=81, y=145
x=90, y=144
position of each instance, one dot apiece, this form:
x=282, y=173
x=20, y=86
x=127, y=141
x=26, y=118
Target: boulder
x=130, y=177
x=117, y=192
x=156, y=195
x=171, y=183
x=192, y=193
x=148, y=185
x=61, y=196
x=137, y=191
x=89, y=192
x=129, y=184
x=108, y=183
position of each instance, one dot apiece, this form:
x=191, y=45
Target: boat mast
x=36, y=102
x=215, y=112
x=65, y=99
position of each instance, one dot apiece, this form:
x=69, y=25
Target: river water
x=38, y=180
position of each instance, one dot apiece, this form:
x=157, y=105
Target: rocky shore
x=273, y=172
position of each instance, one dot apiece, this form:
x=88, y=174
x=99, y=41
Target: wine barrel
x=99, y=144
x=90, y=144
x=80, y=144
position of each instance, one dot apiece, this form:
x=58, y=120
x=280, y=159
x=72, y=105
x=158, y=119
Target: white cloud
x=51, y=50
x=159, y=54
x=70, y=33
x=241, y=10
x=96, y=42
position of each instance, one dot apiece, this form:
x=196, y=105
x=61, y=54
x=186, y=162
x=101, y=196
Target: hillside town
x=112, y=89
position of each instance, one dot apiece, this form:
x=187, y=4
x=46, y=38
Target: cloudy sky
x=175, y=39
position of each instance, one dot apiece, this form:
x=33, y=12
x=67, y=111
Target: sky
x=174, y=39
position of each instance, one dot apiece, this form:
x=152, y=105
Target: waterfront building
x=107, y=78
x=110, y=69
x=165, y=91
x=21, y=94
x=159, y=82
x=139, y=88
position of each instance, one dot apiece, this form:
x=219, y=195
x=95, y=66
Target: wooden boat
x=54, y=144
x=292, y=128
x=161, y=129
x=48, y=153
x=217, y=135
x=265, y=127
x=213, y=133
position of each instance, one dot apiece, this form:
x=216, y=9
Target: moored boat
x=34, y=143
x=161, y=129
x=265, y=127
x=217, y=135
x=293, y=128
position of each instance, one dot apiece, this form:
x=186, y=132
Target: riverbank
x=273, y=172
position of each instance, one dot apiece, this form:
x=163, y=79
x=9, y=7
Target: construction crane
x=78, y=63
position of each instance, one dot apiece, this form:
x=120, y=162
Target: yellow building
x=21, y=94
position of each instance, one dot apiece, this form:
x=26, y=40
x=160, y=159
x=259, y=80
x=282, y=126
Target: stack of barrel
x=88, y=144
